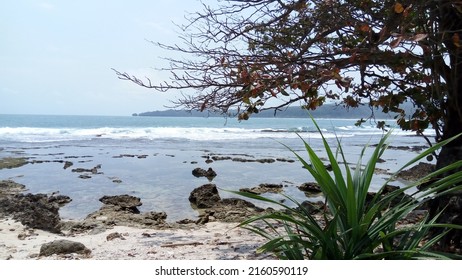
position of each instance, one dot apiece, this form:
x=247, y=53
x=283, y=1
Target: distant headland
x=329, y=111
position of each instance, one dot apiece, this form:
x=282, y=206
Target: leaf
x=398, y=8
x=364, y=27
x=456, y=40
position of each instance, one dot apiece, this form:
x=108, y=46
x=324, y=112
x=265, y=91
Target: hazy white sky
x=56, y=55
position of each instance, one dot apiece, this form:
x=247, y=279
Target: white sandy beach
x=213, y=241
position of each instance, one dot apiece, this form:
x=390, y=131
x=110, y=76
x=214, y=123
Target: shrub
x=350, y=227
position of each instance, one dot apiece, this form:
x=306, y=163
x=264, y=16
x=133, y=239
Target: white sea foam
x=48, y=129
x=33, y=134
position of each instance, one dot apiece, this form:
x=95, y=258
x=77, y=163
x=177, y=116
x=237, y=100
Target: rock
x=119, y=210
x=216, y=158
x=10, y=162
x=10, y=187
x=67, y=164
x=285, y=160
x=213, y=208
x=81, y=170
x=63, y=246
x=209, y=173
x=310, y=189
x=114, y=235
x=416, y=172
x=93, y=171
x=205, y=196
x=237, y=203
x=124, y=201
x=266, y=160
x=387, y=190
x=110, y=215
x=230, y=210
x=185, y=221
x=38, y=211
x=33, y=210
x=264, y=188
x=313, y=207
x=60, y=200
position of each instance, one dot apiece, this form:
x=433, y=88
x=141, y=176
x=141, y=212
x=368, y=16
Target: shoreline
x=30, y=223
x=212, y=241
x=212, y=236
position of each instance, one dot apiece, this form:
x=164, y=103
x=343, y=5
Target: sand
x=212, y=241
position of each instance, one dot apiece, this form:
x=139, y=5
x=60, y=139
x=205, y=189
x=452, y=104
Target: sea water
x=153, y=157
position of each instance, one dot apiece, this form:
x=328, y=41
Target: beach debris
x=209, y=173
x=63, y=247
x=173, y=245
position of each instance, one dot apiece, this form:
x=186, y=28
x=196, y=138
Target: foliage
x=352, y=227
x=245, y=53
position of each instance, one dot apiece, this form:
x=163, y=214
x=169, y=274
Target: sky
x=56, y=56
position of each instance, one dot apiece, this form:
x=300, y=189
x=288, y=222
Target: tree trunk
x=450, y=205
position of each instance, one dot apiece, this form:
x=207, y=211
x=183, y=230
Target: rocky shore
x=31, y=227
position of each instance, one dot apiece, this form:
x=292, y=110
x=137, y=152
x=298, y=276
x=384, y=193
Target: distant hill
x=328, y=111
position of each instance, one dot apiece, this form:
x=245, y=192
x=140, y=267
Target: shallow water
x=171, y=148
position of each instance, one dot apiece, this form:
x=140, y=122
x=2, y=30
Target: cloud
x=157, y=26
x=47, y=6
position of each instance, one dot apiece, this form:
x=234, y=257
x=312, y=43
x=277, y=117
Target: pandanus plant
x=352, y=226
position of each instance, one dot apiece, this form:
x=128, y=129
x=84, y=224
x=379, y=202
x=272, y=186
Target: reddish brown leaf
x=456, y=40
x=398, y=8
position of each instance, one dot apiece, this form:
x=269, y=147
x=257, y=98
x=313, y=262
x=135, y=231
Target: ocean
x=153, y=157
